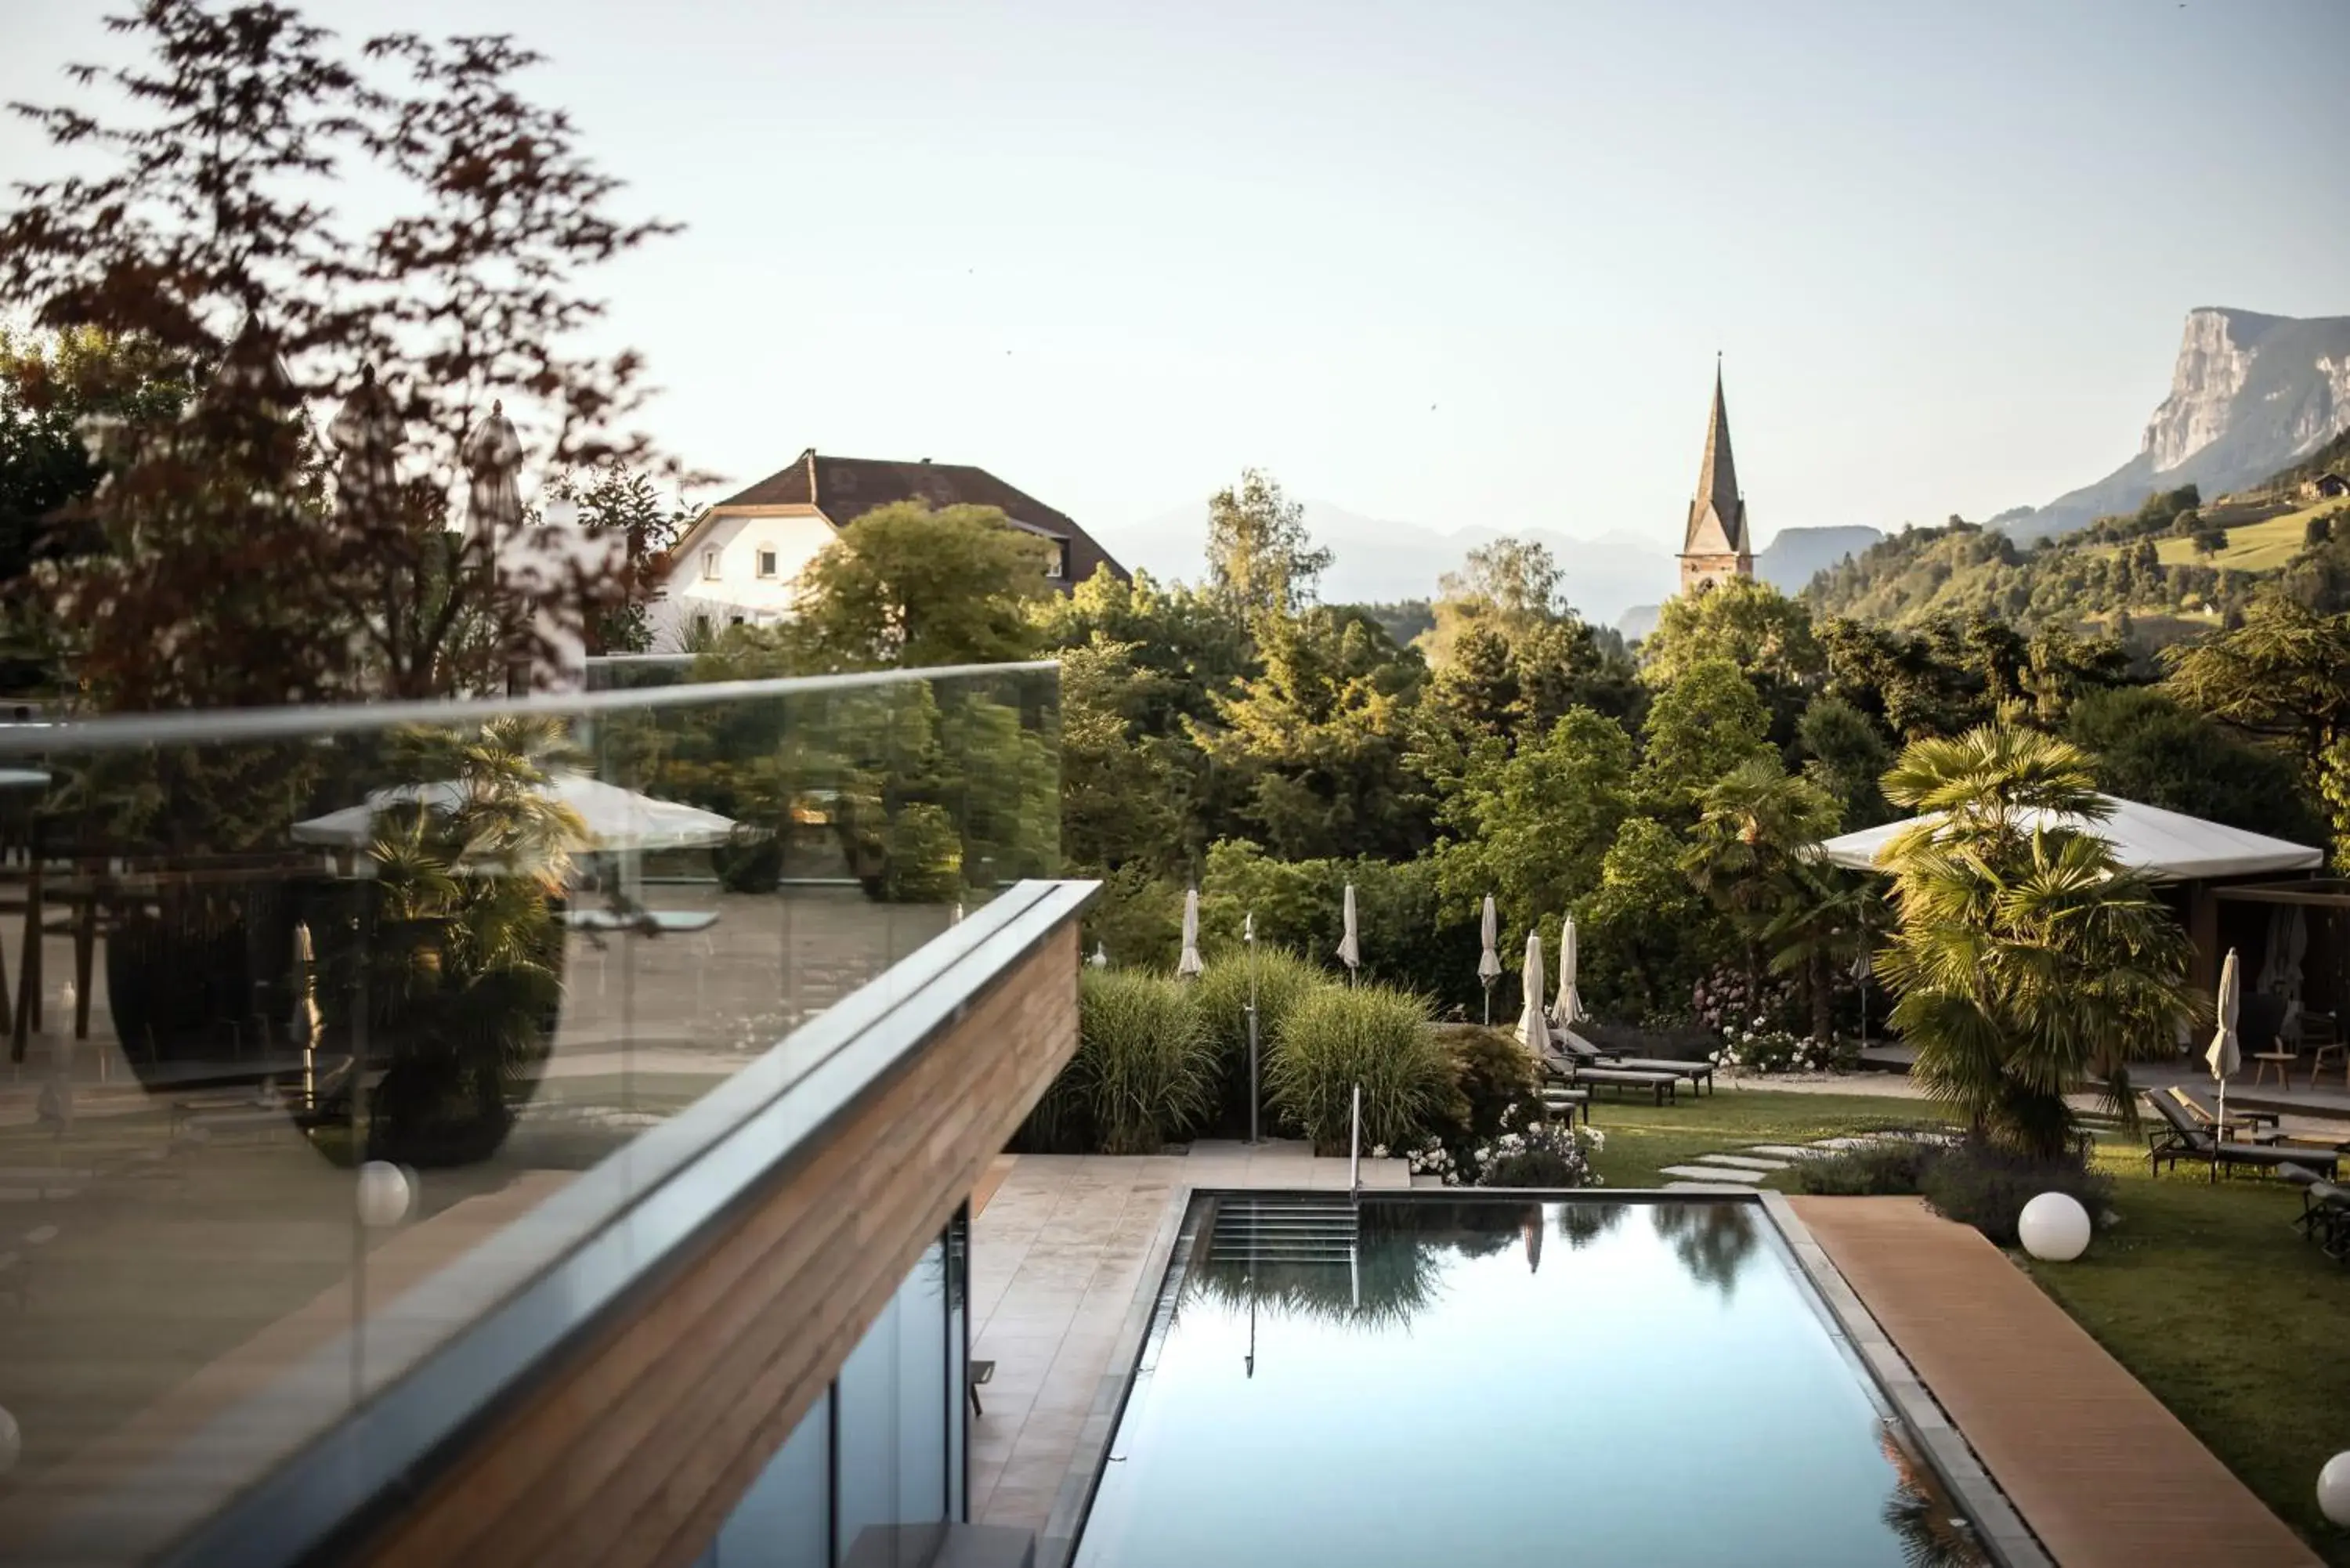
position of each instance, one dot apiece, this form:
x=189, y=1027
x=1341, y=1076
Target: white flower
x=1379, y=1151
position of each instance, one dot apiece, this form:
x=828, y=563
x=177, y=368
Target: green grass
x=2214, y=1301
x=1643, y=1138
x=2262, y=547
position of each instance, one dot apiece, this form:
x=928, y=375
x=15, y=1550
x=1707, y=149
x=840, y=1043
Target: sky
x=1461, y=264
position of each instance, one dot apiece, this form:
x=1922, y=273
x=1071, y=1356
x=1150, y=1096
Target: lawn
x=1643, y=1138
x=2214, y=1301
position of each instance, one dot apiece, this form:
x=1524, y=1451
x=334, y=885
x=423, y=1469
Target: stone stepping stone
x=1788, y=1151
x=1745, y=1162
x=1841, y=1143
x=1714, y=1173
x=40, y=1235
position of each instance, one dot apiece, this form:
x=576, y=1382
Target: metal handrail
x=1355, y=1149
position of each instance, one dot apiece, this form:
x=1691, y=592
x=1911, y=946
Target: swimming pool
x=1468, y=1381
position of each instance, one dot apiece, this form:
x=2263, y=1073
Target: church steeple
x=1714, y=546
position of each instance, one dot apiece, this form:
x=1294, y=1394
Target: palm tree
x=1748, y=848
x=1822, y=931
x=2026, y=959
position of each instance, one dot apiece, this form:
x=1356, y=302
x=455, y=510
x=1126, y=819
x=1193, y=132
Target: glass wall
x=306, y=1008
x=874, y=1473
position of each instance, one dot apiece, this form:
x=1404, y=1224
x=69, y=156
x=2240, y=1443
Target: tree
x=1261, y=561
x=1317, y=743
x=2026, y=961
x=1508, y=586
x=2284, y=675
x=1644, y=935
x=903, y=585
x=2144, y=746
x=2318, y=531
x=1703, y=725
x=1754, y=826
x=625, y=505
x=1121, y=793
x=1846, y=754
x=1530, y=827
x=1765, y=634
x=200, y=230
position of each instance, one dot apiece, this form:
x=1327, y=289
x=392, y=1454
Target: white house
x=740, y=561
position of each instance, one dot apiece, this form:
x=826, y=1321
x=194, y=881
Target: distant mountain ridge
x=2249, y=395
x=1380, y=561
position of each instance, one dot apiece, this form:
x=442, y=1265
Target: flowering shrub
x=1725, y=1000
x=1760, y=1049
x=1547, y=1154
x=1524, y=1153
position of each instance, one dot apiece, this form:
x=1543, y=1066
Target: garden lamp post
x=1248, y=940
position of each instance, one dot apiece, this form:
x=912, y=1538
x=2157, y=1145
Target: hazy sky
x=1458, y=264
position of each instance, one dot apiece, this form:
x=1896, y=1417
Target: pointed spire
x=1717, y=498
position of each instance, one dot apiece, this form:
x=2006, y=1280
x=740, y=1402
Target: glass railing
x=304, y=1007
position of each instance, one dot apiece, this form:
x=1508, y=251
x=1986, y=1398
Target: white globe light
x=2053, y=1227
x=2333, y=1486
x=384, y=1194
x=12, y=1442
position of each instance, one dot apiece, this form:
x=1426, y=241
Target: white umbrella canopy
x=1534, y=1028
x=1567, y=1010
x=1489, y=961
x=1189, y=965
x=615, y=818
x=2167, y=845
x=1351, y=947
x=2226, y=1054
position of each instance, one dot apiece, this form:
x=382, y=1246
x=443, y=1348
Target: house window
x=766, y=563
x=710, y=566
x=1058, y=567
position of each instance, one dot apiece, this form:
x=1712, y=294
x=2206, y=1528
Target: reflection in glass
x=492, y=952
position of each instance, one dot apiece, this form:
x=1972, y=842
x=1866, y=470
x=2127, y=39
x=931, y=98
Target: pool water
x=1455, y=1382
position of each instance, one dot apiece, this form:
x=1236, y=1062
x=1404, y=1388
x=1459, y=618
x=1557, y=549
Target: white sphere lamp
x=384, y=1194
x=2333, y=1487
x=2053, y=1227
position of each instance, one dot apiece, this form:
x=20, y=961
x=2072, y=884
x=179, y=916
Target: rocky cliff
x=2249, y=395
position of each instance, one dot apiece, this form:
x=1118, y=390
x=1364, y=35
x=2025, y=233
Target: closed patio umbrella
x=1188, y=966
x=1101, y=957
x=1489, y=961
x=1534, y=1028
x=1567, y=1010
x=1350, y=948
x=2226, y=1055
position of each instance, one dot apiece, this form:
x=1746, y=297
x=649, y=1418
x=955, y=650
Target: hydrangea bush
x=1727, y=1000
x=1760, y=1049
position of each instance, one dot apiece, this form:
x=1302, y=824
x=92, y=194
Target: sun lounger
x=1699, y=1075
x=2260, y=1125
x=2183, y=1139
x=1579, y=1073
x=1558, y=1097
x=2325, y=1215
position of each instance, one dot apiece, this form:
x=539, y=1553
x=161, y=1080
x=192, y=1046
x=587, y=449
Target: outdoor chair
x=1699, y=1075
x=2259, y=1033
x=1556, y=1097
x=2183, y=1139
x=2318, y=1030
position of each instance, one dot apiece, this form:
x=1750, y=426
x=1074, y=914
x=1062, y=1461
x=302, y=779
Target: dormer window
x=710, y=566
x=766, y=563
x=1058, y=567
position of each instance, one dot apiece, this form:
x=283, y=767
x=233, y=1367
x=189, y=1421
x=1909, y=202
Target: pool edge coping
x=2000, y=1530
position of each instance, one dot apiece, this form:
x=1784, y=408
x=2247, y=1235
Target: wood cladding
x=636, y=1451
